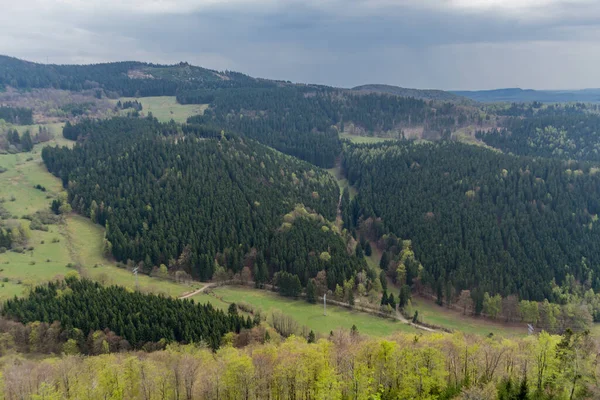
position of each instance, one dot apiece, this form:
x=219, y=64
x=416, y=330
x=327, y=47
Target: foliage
x=185, y=196
x=16, y=115
x=345, y=366
x=558, y=135
x=530, y=221
x=139, y=318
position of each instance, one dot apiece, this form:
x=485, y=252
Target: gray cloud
x=448, y=44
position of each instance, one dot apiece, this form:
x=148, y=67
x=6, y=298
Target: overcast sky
x=444, y=44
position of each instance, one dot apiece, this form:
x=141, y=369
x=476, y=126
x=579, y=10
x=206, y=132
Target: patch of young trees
x=86, y=306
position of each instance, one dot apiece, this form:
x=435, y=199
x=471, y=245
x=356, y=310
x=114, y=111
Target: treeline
x=127, y=79
x=480, y=220
x=16, y=115
x=137, y=106
x=83, y=306
x=343, y=366
x=194, y=198
x=304, y=121
x=558, y=135
x=13, y=142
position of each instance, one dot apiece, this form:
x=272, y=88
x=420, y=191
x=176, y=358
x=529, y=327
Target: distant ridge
x=416, y=93
x=528, y=95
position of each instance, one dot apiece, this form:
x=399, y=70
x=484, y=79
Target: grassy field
x=431, y=313
x=341, y=180
x=363, y=139
x=75, y=241
x=310, y=315
x=166, y=108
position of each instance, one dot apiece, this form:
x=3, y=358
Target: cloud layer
x=447, y=44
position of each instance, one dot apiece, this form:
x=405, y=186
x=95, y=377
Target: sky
x=427, y=44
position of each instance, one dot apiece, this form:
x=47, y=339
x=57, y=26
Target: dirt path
x=195, y=292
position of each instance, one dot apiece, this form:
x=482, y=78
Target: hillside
x=127, y=78
x=528, y=95
x=422, y=94
x=483, y=220
x=184, y=196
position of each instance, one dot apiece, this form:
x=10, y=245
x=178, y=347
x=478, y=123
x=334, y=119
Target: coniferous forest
x=178, y=196
x=481, y=219
x=84, y=306
x=16, y=115
x=561, y=134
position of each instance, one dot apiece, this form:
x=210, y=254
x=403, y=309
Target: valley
x=199, y=216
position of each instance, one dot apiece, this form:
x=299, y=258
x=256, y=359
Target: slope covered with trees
x=16, y=115
x=482, y=220
x=181, y=196
x=304, y=121
x=84, y=306
x=124, y=78
x=562, y=134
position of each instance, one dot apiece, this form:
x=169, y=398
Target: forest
x=304, y=121
x=126, y=79
x=345, y=365
x=479, y=219
x=82, y=306
x=195, y=198
x=566, y=133
x=16, y=115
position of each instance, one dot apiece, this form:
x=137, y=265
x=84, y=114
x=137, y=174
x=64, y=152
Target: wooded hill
x=566, y=133
x=128, y=78
x=300, y=120
x=480, y=219
x=304, y=121
x=184, y=196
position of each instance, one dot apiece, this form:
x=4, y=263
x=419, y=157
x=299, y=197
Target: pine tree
x=311, y=292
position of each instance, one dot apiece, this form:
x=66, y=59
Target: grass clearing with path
x=310, y=315
x=166, y=108
x=364, y=139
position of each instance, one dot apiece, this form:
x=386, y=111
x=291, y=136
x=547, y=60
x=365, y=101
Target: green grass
x=166, y=108
x=341, y=180
x=431, y=313
x=85, y=240
x=310, y=315
x=363, y=139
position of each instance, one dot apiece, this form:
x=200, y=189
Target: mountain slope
x=439, y=95
x=128, y=78
x=529, y=95
x=185, y=196
x=483, y=220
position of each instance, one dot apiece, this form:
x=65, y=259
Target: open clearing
x=76, y=241
x=166, y=108
x=364, y=139
x=310, y=315
x=431, y=313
